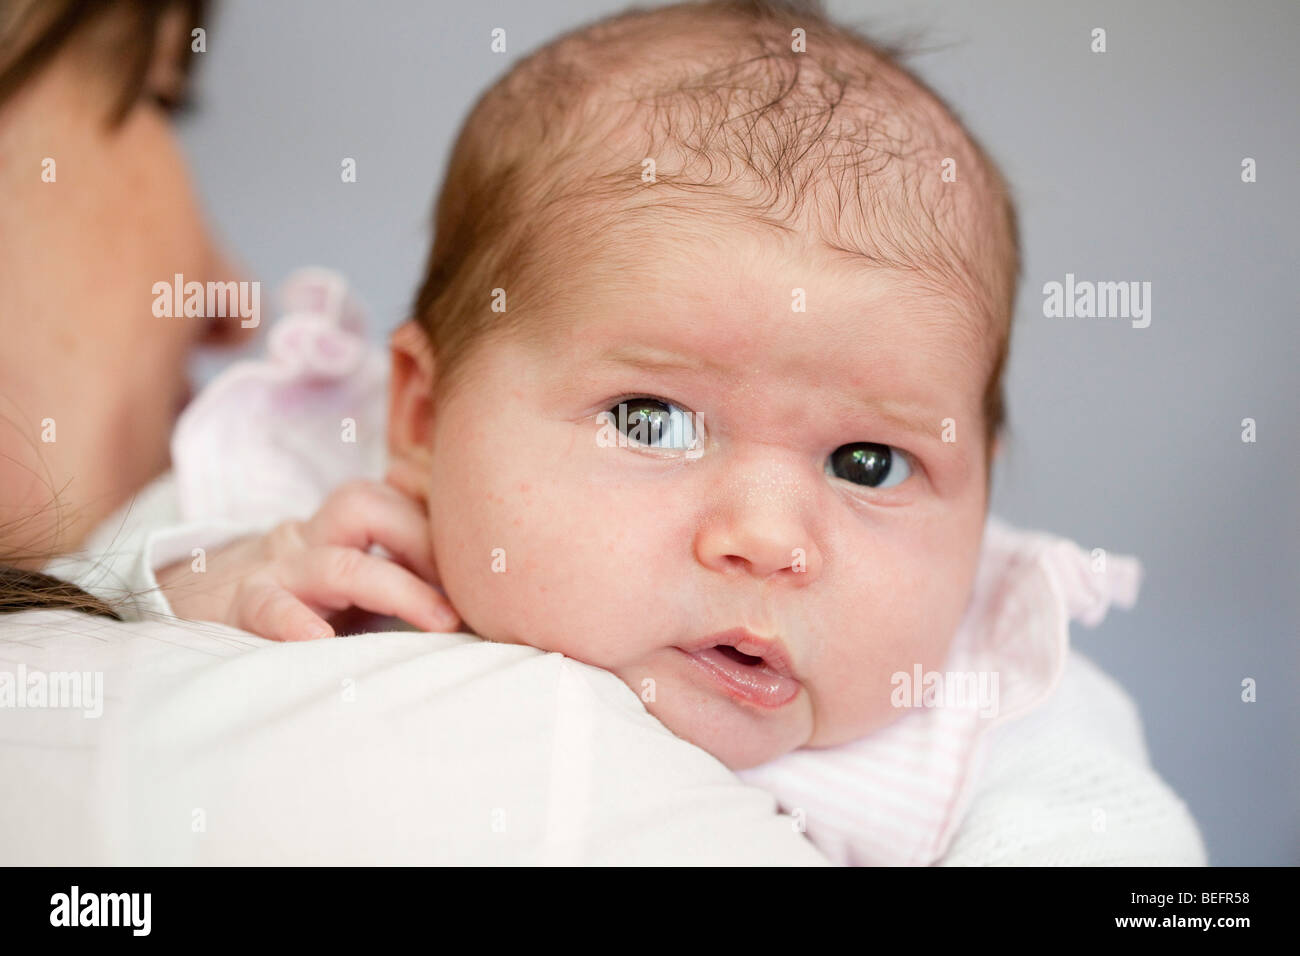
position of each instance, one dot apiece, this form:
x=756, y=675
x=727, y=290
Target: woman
x=404, y=748
x=97, y=207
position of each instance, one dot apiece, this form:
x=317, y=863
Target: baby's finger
x=337, y=578
x=266, y=609
x=360, y=514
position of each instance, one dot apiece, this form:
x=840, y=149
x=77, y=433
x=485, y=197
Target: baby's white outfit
x=1050, y=768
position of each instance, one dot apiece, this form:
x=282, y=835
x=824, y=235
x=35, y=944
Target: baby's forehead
x=758, y=305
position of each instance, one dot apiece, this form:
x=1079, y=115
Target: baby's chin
x=737, y=749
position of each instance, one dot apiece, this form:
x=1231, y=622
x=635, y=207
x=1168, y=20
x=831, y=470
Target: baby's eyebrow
x=910, y=418
x=660, y=360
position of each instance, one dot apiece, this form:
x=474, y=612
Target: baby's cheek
x=485, y=554
x=897, y=623
x=526, y=561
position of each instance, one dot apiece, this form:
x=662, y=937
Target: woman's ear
x=410, y=411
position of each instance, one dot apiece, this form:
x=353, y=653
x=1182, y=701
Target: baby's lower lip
x=755, y=684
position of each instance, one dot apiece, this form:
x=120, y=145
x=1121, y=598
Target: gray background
x=1126, y=166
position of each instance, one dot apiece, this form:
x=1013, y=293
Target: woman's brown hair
x=34, y=32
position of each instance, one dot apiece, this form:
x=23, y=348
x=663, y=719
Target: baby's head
x=706, y=367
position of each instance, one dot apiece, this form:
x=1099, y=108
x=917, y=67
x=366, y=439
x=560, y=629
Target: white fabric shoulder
x=216, y=747
x=1071, y=785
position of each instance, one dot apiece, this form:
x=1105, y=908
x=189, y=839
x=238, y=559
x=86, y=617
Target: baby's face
x=816, y=519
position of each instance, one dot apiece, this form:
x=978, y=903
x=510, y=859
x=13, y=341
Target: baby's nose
x=762, y=525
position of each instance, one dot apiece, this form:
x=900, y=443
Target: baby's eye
x=655, y=424
x=865, y=463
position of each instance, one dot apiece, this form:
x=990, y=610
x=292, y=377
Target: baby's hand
x=283, y=584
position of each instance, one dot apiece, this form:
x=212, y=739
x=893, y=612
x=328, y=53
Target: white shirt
x=216, y=747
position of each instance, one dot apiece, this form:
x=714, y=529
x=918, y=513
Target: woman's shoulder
x=401, y=747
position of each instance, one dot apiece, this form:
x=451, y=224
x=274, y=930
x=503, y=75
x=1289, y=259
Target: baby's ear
x=410, y=411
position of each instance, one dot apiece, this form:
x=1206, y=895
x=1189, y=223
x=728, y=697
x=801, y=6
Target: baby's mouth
x=736, y=655
x=763, y=680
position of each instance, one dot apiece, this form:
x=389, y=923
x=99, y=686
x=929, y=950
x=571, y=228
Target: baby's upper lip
x=771, y=649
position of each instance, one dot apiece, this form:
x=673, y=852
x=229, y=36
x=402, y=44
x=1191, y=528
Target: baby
x=703, y=387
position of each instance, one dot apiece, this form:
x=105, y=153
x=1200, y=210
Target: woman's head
x=98, y=207
x=810, y=313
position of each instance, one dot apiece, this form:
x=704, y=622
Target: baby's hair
x=837, y=141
